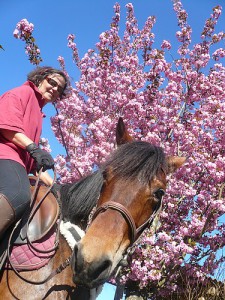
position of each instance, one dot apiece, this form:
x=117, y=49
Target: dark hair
x=40, y=73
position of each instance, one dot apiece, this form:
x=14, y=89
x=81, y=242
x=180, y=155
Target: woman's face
x=51, y=87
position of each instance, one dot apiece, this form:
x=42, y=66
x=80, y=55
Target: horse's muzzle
x=87, y=272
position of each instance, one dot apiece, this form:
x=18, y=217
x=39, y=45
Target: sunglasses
x=53, y=83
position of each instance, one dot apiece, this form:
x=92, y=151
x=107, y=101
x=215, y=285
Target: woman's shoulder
x=27, y=87
x=24, y=91
x=23, y=94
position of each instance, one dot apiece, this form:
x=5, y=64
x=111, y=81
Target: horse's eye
x=159, y=194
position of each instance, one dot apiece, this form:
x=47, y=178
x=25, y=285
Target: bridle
x=135, y=232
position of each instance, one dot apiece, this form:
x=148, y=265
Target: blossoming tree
x=176, y=103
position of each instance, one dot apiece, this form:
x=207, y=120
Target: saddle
x=43, y=219
x=40, y=231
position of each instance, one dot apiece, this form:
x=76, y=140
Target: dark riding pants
x=15, y=185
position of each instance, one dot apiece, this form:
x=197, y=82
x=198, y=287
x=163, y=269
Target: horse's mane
x=78, y=199
x=129, y=161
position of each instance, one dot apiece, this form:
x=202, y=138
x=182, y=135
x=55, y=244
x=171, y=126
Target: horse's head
x=134, y=183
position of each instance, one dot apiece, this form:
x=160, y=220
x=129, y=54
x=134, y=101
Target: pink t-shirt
x=20, y=111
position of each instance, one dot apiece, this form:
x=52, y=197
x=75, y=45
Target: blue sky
x=53, y=20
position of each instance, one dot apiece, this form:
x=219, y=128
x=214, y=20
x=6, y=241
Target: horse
x=114, y=205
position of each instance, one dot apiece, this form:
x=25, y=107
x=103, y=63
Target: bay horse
x=125, y=194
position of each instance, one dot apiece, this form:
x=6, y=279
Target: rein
x=65, y=264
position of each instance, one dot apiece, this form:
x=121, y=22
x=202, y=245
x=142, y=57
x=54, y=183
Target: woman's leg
x=7, y=214
x=14, y=193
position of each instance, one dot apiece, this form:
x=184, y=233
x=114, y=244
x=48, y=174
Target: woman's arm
x=17, y=138
x=23, y=141
x=46, y=178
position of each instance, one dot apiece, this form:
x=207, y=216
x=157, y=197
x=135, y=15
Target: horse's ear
x=175, y=162
x=122, y=135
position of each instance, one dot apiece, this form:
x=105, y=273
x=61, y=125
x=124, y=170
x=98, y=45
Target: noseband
x=135, y=232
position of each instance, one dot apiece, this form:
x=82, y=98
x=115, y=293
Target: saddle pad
x=24, y=257
x=71, y=232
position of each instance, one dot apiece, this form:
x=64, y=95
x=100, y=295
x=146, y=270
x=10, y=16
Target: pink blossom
x=166, y=45
x=24, y=31
x=16, y=33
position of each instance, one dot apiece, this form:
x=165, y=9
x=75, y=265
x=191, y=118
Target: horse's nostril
x=100, y=268
x=89, y=271
x=75, y=250
x=77, y=259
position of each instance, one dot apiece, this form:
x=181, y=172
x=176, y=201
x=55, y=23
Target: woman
x=20, y=129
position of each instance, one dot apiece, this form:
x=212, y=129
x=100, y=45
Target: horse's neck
x=62, y=254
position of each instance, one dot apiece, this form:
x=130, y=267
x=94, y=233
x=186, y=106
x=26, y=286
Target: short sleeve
x=11, y=112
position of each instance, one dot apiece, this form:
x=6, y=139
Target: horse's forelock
x=137, y=159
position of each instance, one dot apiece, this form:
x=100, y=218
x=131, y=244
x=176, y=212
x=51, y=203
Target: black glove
x=56, y=190
x=42, y=158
